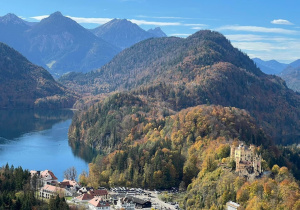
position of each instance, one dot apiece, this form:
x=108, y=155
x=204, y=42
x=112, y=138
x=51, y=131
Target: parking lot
x=145, y=195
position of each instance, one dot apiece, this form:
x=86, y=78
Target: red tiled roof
x=52, y=188
x=69, y=182
x=53, y=176
x=85, y=196
x=46, y=173
x=98, y=192
x=98, y=202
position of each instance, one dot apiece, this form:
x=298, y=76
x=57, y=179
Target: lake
x=38, y=140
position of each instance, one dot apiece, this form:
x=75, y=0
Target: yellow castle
x=247, y=162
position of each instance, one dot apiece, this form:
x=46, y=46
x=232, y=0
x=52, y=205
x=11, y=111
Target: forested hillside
x=18, y=191
x=189, y=150
x=168, y=118
x=203, y=68
x=25, y=85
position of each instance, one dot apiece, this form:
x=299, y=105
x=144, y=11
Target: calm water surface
x=38, y=140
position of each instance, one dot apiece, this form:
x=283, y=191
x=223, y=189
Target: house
x=121, y=204
x=84, y=190
x=44, y=177
x=99, y=193
x=139, y=203
x=233, y=206
x=85, y=197
x=98, y=203
x=247, y=162
x=70, y=185
x=49, y=191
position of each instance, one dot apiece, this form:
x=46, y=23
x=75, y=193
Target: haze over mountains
x=60, y=45
x=289, y=72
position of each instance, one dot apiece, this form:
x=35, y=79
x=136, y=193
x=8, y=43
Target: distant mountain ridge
x=270, y=67
x=61, y=45
x=157, y=32
x=25, y=85
x=289, y=72
x=123, y=33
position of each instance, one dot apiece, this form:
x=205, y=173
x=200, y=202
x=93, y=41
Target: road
x=156, y=202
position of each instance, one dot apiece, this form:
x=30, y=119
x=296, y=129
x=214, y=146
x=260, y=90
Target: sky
x=267, y=29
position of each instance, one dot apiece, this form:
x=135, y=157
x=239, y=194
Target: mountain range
x=61, y=45
x=201, y=69
x=123, y=33
x=270, y=67
x=25, y=85
x=289, y=72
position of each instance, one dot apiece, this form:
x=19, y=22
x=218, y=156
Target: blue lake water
x=38, y=140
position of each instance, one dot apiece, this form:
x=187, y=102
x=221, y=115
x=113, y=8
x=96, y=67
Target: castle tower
x=232, y=152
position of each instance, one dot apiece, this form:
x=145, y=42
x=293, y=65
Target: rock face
x=123, y=33
x=25, y=85
x=201, y=69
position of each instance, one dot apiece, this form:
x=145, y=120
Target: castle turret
x=232, y=152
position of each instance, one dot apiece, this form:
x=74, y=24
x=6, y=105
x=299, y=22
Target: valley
x=152, y=111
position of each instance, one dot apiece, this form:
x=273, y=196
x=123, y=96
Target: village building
x=49, y=191
x=233, y=206
x=84, y=197
x=70, y=185
x=83, y=190
x=98, y=203
x=139, y=203
x=44, y=177
x=48, y=177
x=99, y=193
x=121, y=204
x=247, y=162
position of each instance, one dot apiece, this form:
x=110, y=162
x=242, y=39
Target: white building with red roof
x=98, y=203
x=48, y=177
x=44, y=177
x=49, y=191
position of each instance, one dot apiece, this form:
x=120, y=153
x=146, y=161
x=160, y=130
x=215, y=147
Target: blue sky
x=268, y=29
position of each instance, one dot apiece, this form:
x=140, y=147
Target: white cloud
x=90, y=20
x=253, y=37
x=281, y=22
x=79, y=19
x=197, y=28
x=105, y=20
x=145, y=22
x=138, y=22
x=256, y=29
x=258, y=46
x=180, y=35
x=163, y=17
x=284, y=52
x=40, y=17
